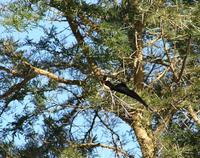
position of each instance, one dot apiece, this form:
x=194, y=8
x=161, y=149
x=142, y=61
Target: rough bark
x=144, y=138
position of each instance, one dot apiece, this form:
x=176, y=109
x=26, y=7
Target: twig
x=184, y=60
x=193, y=114
x=91, y=127
x=93, y=145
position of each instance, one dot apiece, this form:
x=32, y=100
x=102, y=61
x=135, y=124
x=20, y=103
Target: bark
x=53, y=76
x=142, y=131
x=135, y=40
x=144, y=138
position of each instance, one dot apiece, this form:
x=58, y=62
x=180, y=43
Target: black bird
x=122, y=88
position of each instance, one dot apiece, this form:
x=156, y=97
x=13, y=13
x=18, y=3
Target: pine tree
x=52, y=89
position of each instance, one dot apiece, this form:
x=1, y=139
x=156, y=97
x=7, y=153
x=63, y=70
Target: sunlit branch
x=160, y=75
x=13, y=72
x=194, y=115
x=53, y=76
x=150, y=43
x=165, y=121
x=168, y=55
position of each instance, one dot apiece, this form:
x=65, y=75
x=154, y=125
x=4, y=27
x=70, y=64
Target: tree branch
x=184, y=60
x=53, y=76
x=193, y=114
x=93, y=145
x=144, y=137
x=80, y=39
x=16, y=87
x=165, y=121
x=87, y=134
x=13, y=72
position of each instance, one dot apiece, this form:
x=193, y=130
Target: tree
x=57, y=82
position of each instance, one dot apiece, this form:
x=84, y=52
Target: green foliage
x=181, y=18
x=181, y=143
x=23, y=14
x=116, y=39
x=70, y=153
x=70, y=112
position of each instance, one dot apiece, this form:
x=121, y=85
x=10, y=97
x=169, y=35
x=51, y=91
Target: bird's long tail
x=122, y=88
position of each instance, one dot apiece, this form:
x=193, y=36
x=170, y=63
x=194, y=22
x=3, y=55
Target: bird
x=122, y=88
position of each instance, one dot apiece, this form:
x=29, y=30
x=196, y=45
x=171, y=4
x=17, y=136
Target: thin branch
x=150, y=43
x=184, y=60
x=93, y=145
x=16, y=87
x=165, y=121
x=152, y=69
x=4, y=108
x=13, y=72
x=168, y=55
x=107, y=126
x=91, y=127
x=169, y=115
x=159, y=61
x=194, y=115
x=93, y=26
x=160, y=76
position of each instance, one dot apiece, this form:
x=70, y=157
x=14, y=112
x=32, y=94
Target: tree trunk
x=144, y=136
x=135, y=21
